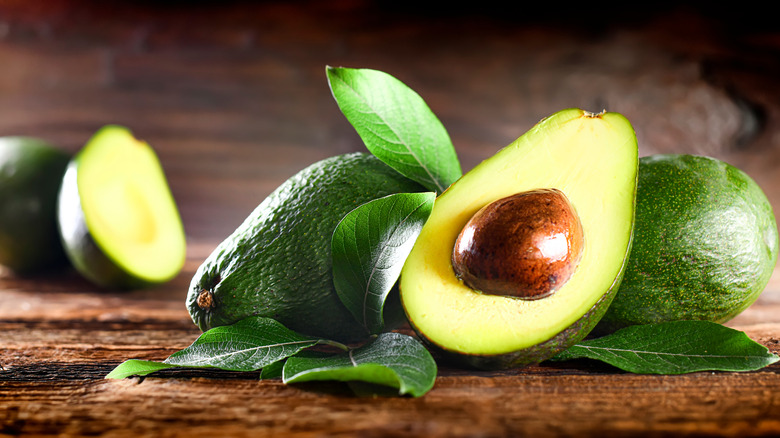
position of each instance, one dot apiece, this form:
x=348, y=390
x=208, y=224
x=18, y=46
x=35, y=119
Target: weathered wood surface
x=234, y=99
x=59, y=342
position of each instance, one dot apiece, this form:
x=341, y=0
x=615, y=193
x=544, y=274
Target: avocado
x=705, y=245
x=278, y=264
x=591, y=159
x=31, y=171
x=118, y=220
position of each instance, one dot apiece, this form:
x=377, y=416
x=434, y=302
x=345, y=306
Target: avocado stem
x=205, y=299
x=592, y=115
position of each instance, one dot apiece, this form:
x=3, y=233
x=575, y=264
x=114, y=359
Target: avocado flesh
x=31, y=171
x=705, y=246
x=118, y=220
x=592, y=159
x=278, y=263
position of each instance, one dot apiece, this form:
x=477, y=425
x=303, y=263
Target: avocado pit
x=524, y=246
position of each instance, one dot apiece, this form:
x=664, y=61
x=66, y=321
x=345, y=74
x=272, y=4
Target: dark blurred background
x=233, y=95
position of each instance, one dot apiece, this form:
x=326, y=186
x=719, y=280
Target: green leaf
x=272, y=371
x=135, y=367
x=247, y=345
x=396, y=125
x=392, y=359
x=369, y=247
x=675, y=348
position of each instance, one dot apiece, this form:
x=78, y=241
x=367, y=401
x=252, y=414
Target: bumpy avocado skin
x=278, y=262
x=705, y=245
x=31, y=171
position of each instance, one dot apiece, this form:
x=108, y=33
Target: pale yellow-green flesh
x=128, y=206
x=593, y=162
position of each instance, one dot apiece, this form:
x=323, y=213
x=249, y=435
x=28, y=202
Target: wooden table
x=234, y=99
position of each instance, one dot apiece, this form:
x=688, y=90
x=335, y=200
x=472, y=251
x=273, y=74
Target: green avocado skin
x=705, y=244
x=31, y=171
x=278, y=263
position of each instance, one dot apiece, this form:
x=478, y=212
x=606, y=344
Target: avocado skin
x=278, y=263
x=705, y=245
x=31, y=171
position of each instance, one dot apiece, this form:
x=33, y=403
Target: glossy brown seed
x=525, y=245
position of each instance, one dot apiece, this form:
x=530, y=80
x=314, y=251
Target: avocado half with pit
x=118, y=220
x=521, y=256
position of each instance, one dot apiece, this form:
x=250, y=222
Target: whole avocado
x=705, y=244
x=278, y=263
x=31, y=172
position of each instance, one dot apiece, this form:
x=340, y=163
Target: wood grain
x=54, y=359
x=233, y=97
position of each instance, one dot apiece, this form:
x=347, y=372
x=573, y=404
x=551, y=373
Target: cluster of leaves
x=369, y=247
x=257, y=343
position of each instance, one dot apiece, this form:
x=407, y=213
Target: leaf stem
x=336, y=344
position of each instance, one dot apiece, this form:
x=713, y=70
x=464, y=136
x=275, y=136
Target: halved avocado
x=592, y=159
x=117, y=218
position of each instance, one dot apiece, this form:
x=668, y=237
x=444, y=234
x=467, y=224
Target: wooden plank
x=51, y=383
x=55, y=387
x=232, y=90
x=72, y=399
x=58, y=349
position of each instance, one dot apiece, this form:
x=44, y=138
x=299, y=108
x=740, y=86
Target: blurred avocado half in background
x=118, y=220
